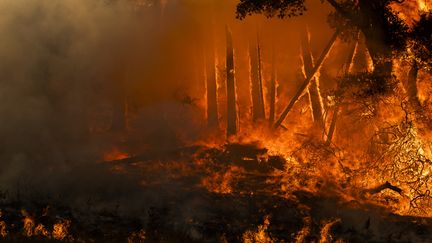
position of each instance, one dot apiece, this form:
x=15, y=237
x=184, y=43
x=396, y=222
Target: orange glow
x=115, y=154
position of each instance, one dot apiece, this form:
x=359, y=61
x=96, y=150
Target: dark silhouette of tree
x=385, y=33
x=421, y=41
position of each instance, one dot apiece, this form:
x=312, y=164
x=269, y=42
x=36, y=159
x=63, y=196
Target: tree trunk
x=411, y=87
x=306, y=82
x=272, y=90
x=314, y=94
x=212, y=106
x=262, y=107
x=230, y=85
x=256, y=88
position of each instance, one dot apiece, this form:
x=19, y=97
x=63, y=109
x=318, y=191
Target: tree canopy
x=386, y=34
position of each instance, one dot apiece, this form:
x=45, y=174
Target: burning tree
x=391, y=41
x=387, y=36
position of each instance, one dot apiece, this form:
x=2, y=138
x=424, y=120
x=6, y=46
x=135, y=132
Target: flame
x=325, y=231
x=137, y=236
x=221, y=183
x=115, y=154
x=410, y=11
x=260, y=235
x=3, y=229
x=305, y=231
x=61, y=229
x=29, y=224
x=424, y=5
x=41, y=230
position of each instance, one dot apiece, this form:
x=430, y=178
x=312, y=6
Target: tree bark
x=256, y=87
x=262, y=106
x=230, y=85
x=212, y=106
x=314, y=94
x=272, y=89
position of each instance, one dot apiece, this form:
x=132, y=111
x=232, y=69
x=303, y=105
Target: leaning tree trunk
x=212, y=107
x=256, y=88
x=262, y=106
x=230, y=85
x=306, y=82
x=314, y=94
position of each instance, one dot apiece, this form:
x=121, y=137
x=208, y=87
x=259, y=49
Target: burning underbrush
x=244, y=191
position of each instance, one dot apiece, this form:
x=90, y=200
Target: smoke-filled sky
x=66, y=65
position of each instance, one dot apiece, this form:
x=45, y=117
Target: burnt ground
x=189, y=212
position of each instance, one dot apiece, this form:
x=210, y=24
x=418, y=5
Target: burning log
x=307, y=80
x=256, y=84
x=154, y=154
x=232, y=126
x=384, y=186
x=314, y=94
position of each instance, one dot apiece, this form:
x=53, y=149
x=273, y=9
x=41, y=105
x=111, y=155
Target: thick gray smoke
x=65, y=69
x=57, y=62
x=66, y=66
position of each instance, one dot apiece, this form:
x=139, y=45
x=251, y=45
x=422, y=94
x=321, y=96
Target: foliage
x=421, y=44
x=271, y=8
x=397, y=156
x=364, y=85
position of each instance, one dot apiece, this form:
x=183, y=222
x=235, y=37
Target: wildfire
x=410, y=11
x=59, y=232
x=29, y=224
x=260, y=235
x=221, y=183
x=61, y=229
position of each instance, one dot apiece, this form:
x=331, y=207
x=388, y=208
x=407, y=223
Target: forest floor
x=236, y=198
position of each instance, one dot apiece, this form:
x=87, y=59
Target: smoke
x=67, y=66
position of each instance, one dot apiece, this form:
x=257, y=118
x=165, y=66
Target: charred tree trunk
x=411, y=87
x=262, y=106
x=272, y=90
x=256, y=85
x=306, y=82
x=314, y=94
x=212, y=106
x=230, y=85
